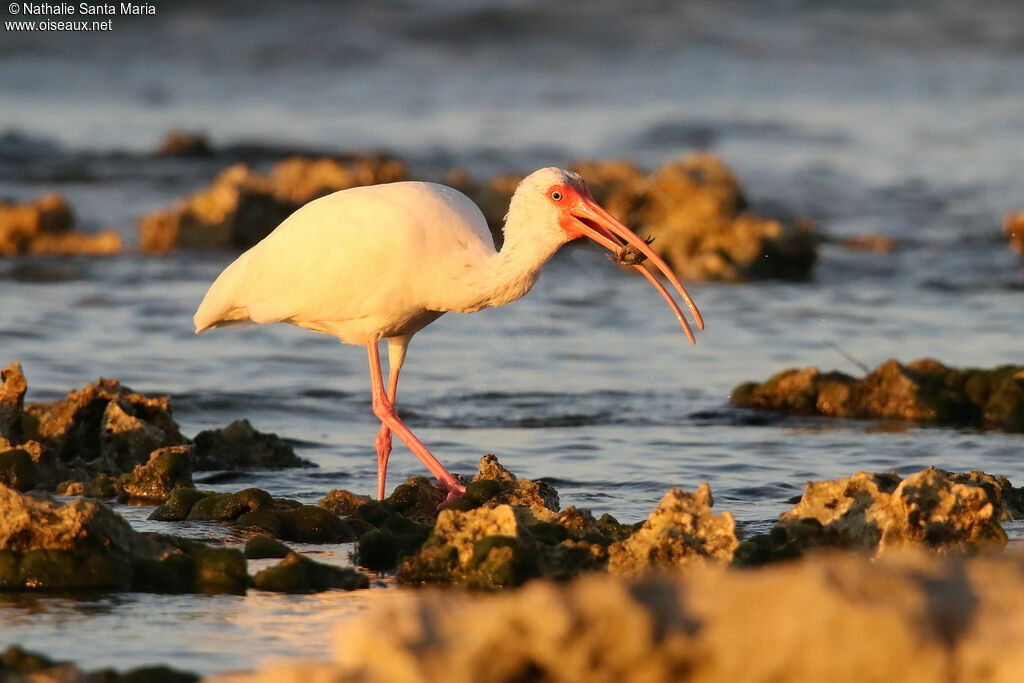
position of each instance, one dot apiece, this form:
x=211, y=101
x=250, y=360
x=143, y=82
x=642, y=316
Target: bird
x=381, y=262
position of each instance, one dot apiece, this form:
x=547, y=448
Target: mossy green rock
x=167, y=469
x=239, y=445
x=17, y=470
x=299, y=574
x=18, y=664
x=179, y=504
x=230, y=506
x=397, y=537
x=303, y=524
x=261, y=547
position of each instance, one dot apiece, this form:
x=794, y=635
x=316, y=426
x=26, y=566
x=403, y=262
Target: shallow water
x=866, y=120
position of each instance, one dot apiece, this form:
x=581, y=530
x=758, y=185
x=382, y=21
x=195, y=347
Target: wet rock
x=342, y=502
x=1013, y=226
x=261, y=547
x=104, y=426
x=837, y=618
x=12, y=403
x=385, y=547
x=168, y=468
x=303, y=524
x=922, y=391
x=23, y=666
x=229, y=506
x=242, y=207
x=681, y=531
x=46, y=545
x=17, y=470
x=482, y=549
x=102, y=486
x=183, y=143
x=879, y=513
x=494, y=485
x=299, y=574
x=239, y=445
x=46, y=226
x=178, y=505
x=416, y=499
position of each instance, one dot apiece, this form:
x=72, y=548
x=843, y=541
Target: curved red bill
x=600, y=226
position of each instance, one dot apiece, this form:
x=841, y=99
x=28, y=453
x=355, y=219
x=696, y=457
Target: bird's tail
x=221, y=306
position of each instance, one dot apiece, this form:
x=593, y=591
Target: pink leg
x=384, y=435
x=384, y=409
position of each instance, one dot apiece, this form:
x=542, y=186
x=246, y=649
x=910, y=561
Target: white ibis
x=383, y=261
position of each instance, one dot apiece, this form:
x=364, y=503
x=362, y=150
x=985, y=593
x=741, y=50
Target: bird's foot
x=455, y=491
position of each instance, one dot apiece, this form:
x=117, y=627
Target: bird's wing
x=369, y=251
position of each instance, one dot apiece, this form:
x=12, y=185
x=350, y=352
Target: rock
x=12, y=403
x=178, y=505
x=416, y=499
x=239, y=446
x=17, y=470
x=229, y=506
x=681, y=531
x=261, y=547
x=482, y=549
x=168, y=468
x=342, y=502
x=46, y=545
x=303, y=524
x=182, y=143
x=242, y=207
x=922, y=391
x=299, y=574
x=385, y=547
x=494, y=486
x=1013, y=226
x=22, y=666
x=104, y=426
x=46, y=226
x=879, y=513
x=836, y=618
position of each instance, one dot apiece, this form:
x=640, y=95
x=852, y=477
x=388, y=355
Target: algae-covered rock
x=168, y=468
x=299, y=574
x=178, y=505
x=240, y=446
x=229, y=506
x=342, y=502
x=46, y=226
x=17, y=469
x=481, y=548
x=494, y=486
x=46, y=545
x=303, y=524
x=242, y=207
x=922, y=391
x=396, y=538
x=262, y=546
x=879, y=512
x=681, y=531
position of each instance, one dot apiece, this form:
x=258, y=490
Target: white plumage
x=384, y=261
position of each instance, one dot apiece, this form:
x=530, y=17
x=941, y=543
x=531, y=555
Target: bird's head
x=563, y=198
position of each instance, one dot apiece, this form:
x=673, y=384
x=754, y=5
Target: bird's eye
x=556, y=196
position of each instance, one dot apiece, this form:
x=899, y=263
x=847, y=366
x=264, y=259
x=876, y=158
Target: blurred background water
x=904, y=119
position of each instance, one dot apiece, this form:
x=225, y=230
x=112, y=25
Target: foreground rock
x=22, y=666
x=46, y=545
x=879, y=513
x=241, y=207
x=47, y=226
x=694, y=210
x=838, y=618
x=923, y=391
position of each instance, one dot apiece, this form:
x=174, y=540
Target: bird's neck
x=510, y=273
